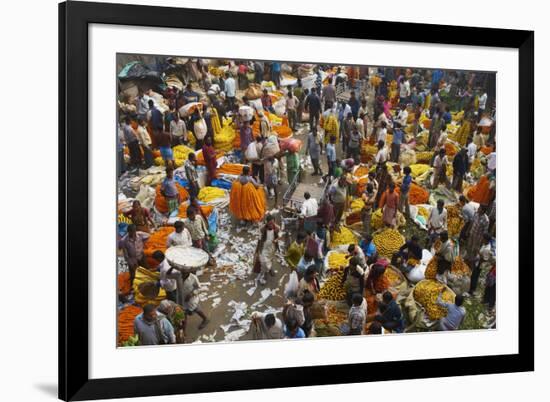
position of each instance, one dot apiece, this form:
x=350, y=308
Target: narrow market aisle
x=229, y=292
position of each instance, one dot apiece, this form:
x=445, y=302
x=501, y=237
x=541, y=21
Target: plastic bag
x=290, y=144
x=291, y=288
x=417, y=273
x=251, y=152
x=246, y=113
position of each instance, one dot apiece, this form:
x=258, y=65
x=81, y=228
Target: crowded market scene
x=278, y=200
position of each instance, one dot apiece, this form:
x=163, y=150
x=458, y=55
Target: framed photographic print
x=258, y=200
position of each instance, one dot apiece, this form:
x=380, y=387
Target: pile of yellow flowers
x=431, y=269
x=369, y=149
x=454, y=220
x=392, y=277
x=357, y=204
x=181, y=153
x=223, y=140
x=342, y=237
x=388, y=242
x=333, y=288
x=424, y=157
x=207, y=194
x=418, y=169
x=376, y=221
x=218, y=72
x=337, y=260
x=426, y=293
x=423, y=212
x=460, y=268
x=215, y=119
x=457, y=116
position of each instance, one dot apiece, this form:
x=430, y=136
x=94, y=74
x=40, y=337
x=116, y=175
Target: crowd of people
x=340, y=120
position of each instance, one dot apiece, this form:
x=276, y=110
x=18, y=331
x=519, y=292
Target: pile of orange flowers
x=126, y=318
x=160, y=202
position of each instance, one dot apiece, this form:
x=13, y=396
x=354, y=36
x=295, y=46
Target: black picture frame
x=74, y=18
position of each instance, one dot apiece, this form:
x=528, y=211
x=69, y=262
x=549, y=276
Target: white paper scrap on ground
x=235, y=335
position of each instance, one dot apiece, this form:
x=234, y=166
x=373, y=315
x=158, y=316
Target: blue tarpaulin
x=220, y=183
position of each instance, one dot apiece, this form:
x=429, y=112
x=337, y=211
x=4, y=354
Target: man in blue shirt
x=455, y=314
x=354, y=104
x=331, y=156
x=404, y=193
x=190, y=95
x=293, y=331
x=276, y=73
x=396, y=142
x=447, y=118
x=368, y=247
x=390, y=315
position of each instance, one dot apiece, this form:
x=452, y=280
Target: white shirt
x=439, y=161
x=441, y=141
x=404, y=89
x=402, y=117
x=485, y=252
x=309, y=208
x=381, y=135
x=438, y=221
x=143, y=136
x=468, y=211
x=492, y=161
x=276, y=331
x=178, y=129
x=482, y=101
x=179, y=239
x=360, y=127
x=472, y=150
x=167, y=284
x=230, y=88
x=381, y=156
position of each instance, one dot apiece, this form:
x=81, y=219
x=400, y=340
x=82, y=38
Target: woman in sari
x=209, y=154
x=390, y=203
x=140, y=217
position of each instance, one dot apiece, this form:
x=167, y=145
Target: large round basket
x=186, y=258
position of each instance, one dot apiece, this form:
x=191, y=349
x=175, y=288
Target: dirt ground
x=223, y=289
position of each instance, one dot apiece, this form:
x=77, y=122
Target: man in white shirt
x=440, y=169
x=381, y=133
x=404, y=91
x=403, y=115
x=145, y=141
x=472, y=150
x=178, y=129
x=437, y=221
x=230, y=90
x=482, y=103
x=270, y=326
x=360, y=125
x=168, y=280
x=382, y=155
x=492, y=161
x=180, y=237
x=309, y=212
